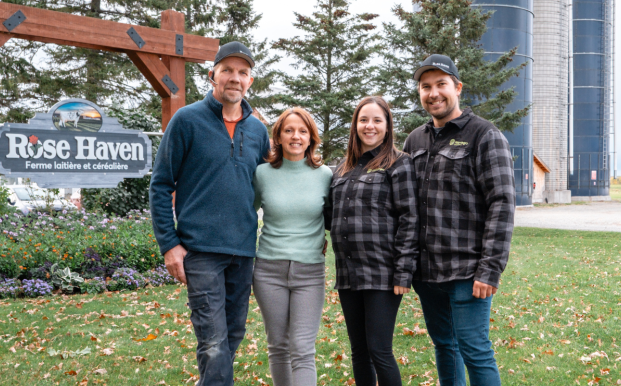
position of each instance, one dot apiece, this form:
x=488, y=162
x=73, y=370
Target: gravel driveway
x=595, y=216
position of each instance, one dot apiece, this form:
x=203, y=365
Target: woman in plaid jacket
x=374, y=230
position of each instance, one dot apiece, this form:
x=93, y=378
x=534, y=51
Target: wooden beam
x=4, y=38
x=63, y=28
x=173, y=21
x=153, y=69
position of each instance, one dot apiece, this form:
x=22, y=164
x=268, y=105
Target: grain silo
x=590, y=99
x=550, y=100
x=512, y=26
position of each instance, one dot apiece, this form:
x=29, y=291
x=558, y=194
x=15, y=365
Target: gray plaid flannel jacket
x=466, y=191
x=374, y=225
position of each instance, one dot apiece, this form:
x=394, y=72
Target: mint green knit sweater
x=292, y=198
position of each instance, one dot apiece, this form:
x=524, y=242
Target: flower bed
x=119, y=252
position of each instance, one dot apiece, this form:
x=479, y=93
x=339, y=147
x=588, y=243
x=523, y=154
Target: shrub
x=126, y=279
x=83, y=242
x=36, y=287
x=42, y=272
x=95, y=285
x=131, y=193
x=93, y=265
x=9, y=288
x=8, y=268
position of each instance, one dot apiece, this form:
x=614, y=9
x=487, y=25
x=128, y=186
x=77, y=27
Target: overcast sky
x=278, y=19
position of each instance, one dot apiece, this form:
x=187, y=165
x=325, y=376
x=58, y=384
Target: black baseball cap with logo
x=437, y=62
x=234, y=49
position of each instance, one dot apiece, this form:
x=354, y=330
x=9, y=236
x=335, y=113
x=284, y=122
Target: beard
x=232, y=96
x=235, y=98
x=439, y=115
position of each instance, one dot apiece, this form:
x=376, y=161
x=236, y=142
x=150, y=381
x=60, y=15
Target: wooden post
x=4, y=38
x=157, y=53
x=173, y=21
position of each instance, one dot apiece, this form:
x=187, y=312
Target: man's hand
x=325, y=247
x=401, y=290
x=482, y=290
x=174, y=262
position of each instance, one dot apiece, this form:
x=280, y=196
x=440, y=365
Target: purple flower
x=112, y=227
x=91, y=227
x=36, y=287
x=9, y=288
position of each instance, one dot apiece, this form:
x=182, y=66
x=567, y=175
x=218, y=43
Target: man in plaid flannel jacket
x=466, y=192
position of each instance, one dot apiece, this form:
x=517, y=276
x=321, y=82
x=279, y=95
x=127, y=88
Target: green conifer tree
x=237, y=21
x=333, y=58
x=452, y=28
x=34, y=82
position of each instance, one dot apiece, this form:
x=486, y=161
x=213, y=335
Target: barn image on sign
x=74, y=145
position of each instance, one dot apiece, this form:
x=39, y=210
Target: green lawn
x=555, y=321
x=615, y=192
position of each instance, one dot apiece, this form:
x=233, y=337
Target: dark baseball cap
x=234, y=49
x=437, y=62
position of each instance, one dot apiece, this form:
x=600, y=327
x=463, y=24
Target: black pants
x=370, y=316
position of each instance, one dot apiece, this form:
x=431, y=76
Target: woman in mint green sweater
x=289, y=273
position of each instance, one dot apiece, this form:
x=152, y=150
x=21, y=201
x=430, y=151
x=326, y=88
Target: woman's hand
x=401, y=290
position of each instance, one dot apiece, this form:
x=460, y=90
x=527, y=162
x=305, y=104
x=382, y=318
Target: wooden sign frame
x=159, y=54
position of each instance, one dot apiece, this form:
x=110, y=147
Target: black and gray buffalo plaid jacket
x=466, y=194
x=374, y=225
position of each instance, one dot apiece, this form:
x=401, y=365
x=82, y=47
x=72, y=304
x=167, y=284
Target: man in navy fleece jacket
x=208, y=156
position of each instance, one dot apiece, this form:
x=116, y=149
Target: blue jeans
x=218, y=293
x=458, y=324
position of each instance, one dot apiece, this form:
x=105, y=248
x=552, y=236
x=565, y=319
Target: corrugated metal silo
x=511, y=26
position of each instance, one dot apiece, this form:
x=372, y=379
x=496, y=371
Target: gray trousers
x=291, y=296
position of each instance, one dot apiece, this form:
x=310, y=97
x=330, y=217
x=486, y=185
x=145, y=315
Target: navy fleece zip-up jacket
x=212, y=177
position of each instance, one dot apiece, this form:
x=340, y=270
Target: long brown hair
x=276, y=155
x=388, y=152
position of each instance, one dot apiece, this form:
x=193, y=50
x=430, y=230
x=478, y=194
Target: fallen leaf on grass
x=140, y=359
x=100, y=371
x=107, y=351
x=72, y=372
x=415, y=331
x=149, y=337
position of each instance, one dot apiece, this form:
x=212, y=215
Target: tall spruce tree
x=452, y=28
x=31, y=82
x=237, y=21
x=333, y=56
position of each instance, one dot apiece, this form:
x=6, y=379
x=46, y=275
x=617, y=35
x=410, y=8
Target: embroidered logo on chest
x=457, y=143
